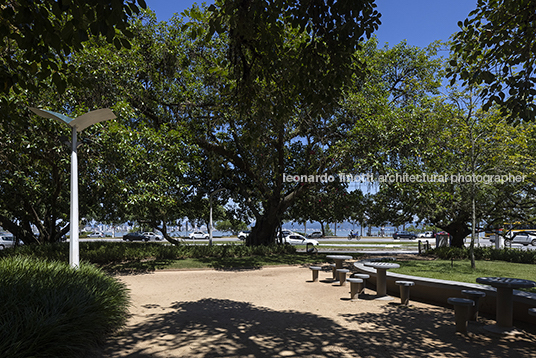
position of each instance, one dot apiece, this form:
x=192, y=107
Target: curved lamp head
x=80, y=123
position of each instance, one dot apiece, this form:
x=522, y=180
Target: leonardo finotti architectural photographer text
x=405, y=178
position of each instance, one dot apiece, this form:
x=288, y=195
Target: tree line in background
x=219, y=104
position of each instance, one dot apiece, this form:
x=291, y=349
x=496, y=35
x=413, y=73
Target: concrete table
x=505, y=287
x=339, y=260
x=381, y=279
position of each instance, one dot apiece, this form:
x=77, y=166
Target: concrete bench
x=404, y=291
x=532, y=311
x=474, y=295
x=342, y=276
x=461, y=312
x=315, y=270
x=355, y=288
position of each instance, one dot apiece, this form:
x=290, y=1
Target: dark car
x=404, y=235
x=315, y=235
x=136, y=236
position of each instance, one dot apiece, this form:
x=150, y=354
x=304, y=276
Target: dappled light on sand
x=276, y=312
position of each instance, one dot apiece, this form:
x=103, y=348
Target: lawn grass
x=460, y=270
x=217, y=262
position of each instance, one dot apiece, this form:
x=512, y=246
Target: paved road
x=344, y=243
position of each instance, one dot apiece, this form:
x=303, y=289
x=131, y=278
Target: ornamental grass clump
x=48, y=309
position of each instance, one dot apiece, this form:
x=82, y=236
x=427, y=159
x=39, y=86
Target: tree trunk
x=264, y=231
x=458, y=232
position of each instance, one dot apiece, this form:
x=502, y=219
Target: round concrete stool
x=475, y=296
x=342, y=276
x=461, y=312
x=404, y=291
x=355, y=284
x=315, y=270
x=361, y=287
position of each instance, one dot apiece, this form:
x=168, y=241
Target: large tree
x=287, y=66
x=37, y=41
x=36, y=37
x=495, y=48
x=473, y=167
x=145, y=166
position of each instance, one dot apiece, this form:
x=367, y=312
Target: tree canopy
x=495, y=48
x=236, y=101
x=37, y=36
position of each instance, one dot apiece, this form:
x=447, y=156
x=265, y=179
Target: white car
x=152, y=236
x=297, y=239
x=6, y=241
x=96, y=234
x=198, y=235
x=242, y=235
x=524, y=238
x=426, y=234
x=285, y=233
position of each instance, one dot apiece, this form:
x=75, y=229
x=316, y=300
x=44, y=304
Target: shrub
x=110, y=252
x=485, y=253
x=48, y=309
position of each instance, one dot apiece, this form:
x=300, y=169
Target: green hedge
x=485, y=253
x=109, y=252
x=48, y=309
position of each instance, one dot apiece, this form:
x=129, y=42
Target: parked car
x=297, y=239
x=426, y=234
x=96, y=234
x=135, y=236
x=242, y=235
x=285, y=233
x=198, y=235
x=6, y=241
x=153, y=236
x=524, y=238
x=404, y=235
x=315, y=235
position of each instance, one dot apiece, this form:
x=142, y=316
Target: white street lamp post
x=210, y=216
x=77, y=124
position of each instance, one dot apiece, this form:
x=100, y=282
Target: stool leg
x=360, y=287
x=334, y=272
x=461, y=314
x=404, y=295
x=473, y=311
x=315, y=276
x=342, y=278
x=354, y=291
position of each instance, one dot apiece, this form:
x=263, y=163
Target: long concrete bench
x=437, y=292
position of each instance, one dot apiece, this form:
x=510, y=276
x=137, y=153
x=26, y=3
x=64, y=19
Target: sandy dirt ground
x=279, y=312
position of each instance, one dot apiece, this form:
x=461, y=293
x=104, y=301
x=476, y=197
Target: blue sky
x=419, y=22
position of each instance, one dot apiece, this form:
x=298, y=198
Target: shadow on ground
x=225, y=328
